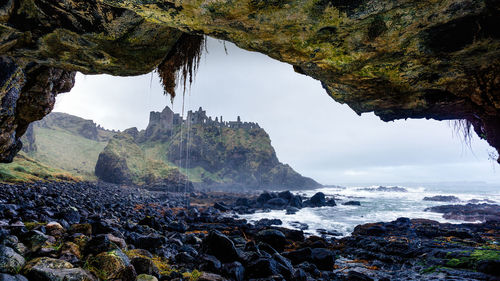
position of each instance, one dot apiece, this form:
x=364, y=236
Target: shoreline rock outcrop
x=86, y=231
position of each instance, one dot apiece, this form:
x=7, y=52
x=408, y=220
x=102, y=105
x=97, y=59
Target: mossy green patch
x=26, y=169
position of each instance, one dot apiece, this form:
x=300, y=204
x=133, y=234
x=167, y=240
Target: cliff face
x=401, y=59
x=213, y=153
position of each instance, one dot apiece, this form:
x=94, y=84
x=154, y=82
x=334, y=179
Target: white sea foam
x=376, y=206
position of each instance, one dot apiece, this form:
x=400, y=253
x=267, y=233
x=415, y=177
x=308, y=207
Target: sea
x=377, y=206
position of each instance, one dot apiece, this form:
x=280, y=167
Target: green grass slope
x=67, y=151
x=26, y=169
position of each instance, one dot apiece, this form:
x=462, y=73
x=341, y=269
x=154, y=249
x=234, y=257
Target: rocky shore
x=87, y=231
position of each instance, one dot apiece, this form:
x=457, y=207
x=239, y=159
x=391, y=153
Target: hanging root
x=181, y=63
x=463, y=127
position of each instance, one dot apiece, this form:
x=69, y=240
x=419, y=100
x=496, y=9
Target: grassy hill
x=64, y=150
x=68, y=143
x=26, y=169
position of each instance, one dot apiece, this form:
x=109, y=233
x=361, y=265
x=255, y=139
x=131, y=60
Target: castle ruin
x=167, y=120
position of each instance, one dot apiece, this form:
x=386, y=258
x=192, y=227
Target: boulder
x=296, y=201
x=276, y=203
x=49, y=269
x=317, y=200
x=273, y=237
x=264, y=197
x=8, y=277
x=110, y=265
x=352, y=203
x=324, y=259
x=442, y=198
x=98, y=244
x=10, y=261
x=145, y=277
x=235, y=271
x=287, y=195
x=261, y=268
x=298, y=256
x=220, y=246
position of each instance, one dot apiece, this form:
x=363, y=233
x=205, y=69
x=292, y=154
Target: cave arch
x=399, y=59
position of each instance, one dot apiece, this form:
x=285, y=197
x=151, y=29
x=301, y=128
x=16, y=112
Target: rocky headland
x=211, y=152
x=88, y=231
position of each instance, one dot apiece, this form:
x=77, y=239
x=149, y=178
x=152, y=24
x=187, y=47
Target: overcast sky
x=317, y=136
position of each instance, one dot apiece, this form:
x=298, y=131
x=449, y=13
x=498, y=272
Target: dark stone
x=184, y=257
x=273, y=237
x=220, y=246
x=286, y=195
x=144, y=265
x=296, y=201
x=491, y=267
x=8, y=277
x=298, y=256
x=178, y=226
x=234, y=270
x=357, y=276
x=442, y=198
x=352, y=203
x=284, y=266
x=300, y=275
x=264, y=197
x=292, y=210
x=262, y=223
x=324, y=259
x=262, y=268
x=98, y=244
x=276, y=203
x=210, y=263
x=149, y=242
x=221, y=207
x=242, y=201
x=317, y=200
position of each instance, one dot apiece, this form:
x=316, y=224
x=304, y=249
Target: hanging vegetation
x=181, y=63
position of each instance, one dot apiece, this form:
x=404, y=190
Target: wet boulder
x=10, y=261
x=49, y=269
x=220, y=246
x=264, y=197
x=323, y=258
x=317, y=200
x=273, y=237
x=276, y=204
x=262, y=268
x=352, y=203
x=234, y=270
